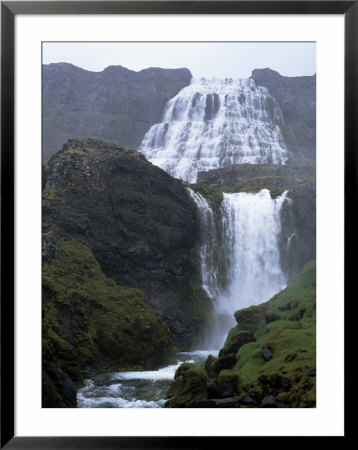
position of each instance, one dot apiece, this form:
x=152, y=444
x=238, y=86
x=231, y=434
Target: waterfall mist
x=215, y=123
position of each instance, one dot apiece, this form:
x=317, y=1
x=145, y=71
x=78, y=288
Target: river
x=146, y=389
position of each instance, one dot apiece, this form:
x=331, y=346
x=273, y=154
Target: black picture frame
x=9, y=9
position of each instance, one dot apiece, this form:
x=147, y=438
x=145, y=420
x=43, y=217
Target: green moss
x=51, y=195
x=293, y=345
x=250, y=318
x=190, y=384
x=74, y=152
x=276, y=192
x=104, y=326
x=227, y=379
x=213, y=195
x=236, y=342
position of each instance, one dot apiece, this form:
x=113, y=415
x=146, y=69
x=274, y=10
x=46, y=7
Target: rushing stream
x=145, y=389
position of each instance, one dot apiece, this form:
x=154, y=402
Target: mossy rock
x=92, y=324
x=236, y=342
x=271, y=317
x=211, y=194
x=190, y=385
x=250, y=318
x=223, y=362
x=209, y=366
x=228, y=382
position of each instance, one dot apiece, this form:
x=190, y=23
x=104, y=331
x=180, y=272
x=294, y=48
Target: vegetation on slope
x=92, y=324
x=269, y=357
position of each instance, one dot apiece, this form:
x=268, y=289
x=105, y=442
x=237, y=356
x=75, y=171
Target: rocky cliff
x=298, y=218
x=116, y=104
x=121, y=280
x=297, y=99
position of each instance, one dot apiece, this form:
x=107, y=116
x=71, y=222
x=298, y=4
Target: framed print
x=175, y=183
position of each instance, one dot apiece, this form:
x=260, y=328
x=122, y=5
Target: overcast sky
x=234, y=60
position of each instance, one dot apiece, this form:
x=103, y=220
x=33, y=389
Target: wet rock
x=230, y=402
x=59, y=390
x=303, y=405
x=249, y=400
x=267, y=353
x=213, y=390
x=311, y=371
x=209, y=366
x=225, y=362
x=269, y=402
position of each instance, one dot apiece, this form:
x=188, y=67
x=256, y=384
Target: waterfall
x=240, y=254
x=252, y=226
x=214, y=123
x=213, y=256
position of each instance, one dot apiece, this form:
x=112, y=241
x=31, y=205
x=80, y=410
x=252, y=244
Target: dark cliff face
x=139, y=222
x=298, y=237
x=116, y=104
x=297, y=99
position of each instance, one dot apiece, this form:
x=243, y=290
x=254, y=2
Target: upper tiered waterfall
x=215, y=123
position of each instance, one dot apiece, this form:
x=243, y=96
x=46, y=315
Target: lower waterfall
x=239, y=251
x=240, y=254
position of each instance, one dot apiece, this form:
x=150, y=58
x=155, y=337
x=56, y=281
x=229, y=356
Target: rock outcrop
x=121, y=280
x=116, y=104
x=297, y=99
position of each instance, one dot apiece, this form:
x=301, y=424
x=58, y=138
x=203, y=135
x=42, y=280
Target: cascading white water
x=209, y=257
x=252, y=226
x=215, y=123
x=240, y=255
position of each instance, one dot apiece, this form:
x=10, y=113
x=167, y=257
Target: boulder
x=236, y=342
x=267, y=353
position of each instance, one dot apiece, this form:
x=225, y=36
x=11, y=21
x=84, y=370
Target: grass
x=293, y=342
x=286, y=324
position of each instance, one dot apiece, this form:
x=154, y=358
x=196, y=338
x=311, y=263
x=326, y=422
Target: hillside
x=268, y=360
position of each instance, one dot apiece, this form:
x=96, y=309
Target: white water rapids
x=145, y=389
x=215, y=123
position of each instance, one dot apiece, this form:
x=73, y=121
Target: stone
x=213, y=391
x=311, y=371
x=225, y=362
x=267, y=353
x=249, y=400
x=269, y=402
x=236, y=342
x=208, y=366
